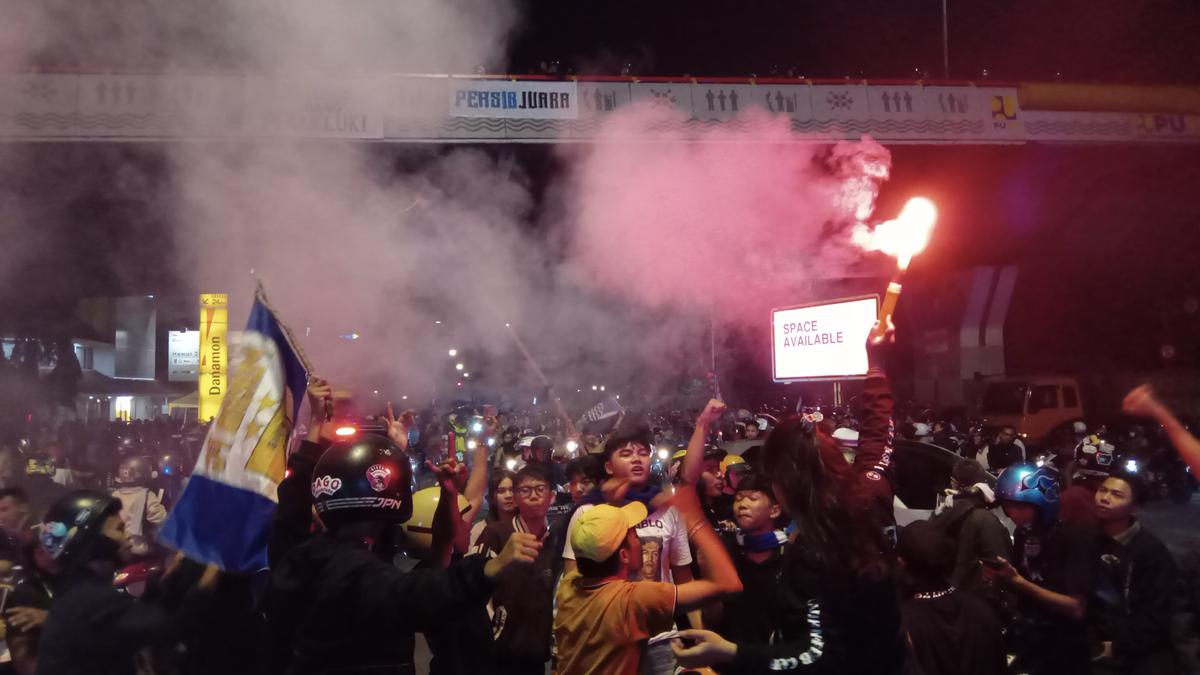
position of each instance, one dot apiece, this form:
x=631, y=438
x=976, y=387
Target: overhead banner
x=469, y=109
x=214, y=353
x=514, y=100
x=343, y=108
x=183, y=355
x=822, y=341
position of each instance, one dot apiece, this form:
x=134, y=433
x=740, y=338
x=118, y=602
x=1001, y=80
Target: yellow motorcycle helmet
x=729, y=461
x=418, y=530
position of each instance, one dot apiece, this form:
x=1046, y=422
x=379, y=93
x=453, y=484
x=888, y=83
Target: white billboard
x=183, y=355
x=822, y=341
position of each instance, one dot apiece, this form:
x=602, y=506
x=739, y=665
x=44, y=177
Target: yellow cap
x=601, y=530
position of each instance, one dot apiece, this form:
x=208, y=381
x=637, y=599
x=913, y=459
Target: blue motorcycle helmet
x=1031, y=484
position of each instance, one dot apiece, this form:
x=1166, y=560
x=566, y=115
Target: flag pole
x=558, y=406
x=260, y=294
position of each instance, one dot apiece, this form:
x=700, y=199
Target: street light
x=459, y=366
x=453, y=352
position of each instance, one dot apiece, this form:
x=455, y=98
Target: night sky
x=1083, y=40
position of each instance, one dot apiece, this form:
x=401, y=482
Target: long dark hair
x=494, y=482
x=838, y=524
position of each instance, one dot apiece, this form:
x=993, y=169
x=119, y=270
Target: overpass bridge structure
x=407, y=108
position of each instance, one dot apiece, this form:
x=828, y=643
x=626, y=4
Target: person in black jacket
x=335, y=602
x=92, y=627
x=977, y=532
x=523, y=604
x=1136, y=582
x=837, y=609
x=1051, y=574
x=757, y=550
x=951, y=630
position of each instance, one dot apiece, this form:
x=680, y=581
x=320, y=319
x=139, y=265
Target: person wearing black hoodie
x=951, y=630
x=837, y=609
x=978, y=533
x=336, y=603
x=92, y=627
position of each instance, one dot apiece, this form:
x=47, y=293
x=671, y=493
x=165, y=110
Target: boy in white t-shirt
x=663, y=535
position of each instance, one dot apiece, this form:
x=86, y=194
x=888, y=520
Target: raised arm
x=319, y=391
x=477, y=480
x=718, y=576
x=693, y=461
x=292, y=523
x=450, y=532
x=1143, y=403
x=873, y=460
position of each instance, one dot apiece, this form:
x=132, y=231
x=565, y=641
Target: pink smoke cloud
x=700, y=219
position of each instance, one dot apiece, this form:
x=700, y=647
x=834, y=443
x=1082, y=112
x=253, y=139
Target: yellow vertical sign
x=214, y=353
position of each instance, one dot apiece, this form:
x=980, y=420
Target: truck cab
x=1034, y=406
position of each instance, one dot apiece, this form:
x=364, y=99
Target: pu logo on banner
x=1004, y=110
x=1162, y=124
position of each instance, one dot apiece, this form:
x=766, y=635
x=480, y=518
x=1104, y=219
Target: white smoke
x=612, y=278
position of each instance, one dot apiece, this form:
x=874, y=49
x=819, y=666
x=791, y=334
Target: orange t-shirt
x=602, y=629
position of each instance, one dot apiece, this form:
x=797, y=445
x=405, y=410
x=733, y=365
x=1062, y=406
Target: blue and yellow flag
x=224, y=515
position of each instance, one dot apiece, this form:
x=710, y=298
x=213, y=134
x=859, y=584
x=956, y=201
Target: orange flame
x=902, y=237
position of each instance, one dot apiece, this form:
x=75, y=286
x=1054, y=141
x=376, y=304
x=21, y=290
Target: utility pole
x=945, y=41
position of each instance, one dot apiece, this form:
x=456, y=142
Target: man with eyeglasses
x=522, y=604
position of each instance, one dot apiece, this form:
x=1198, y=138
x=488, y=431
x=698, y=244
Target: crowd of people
x=721, y=541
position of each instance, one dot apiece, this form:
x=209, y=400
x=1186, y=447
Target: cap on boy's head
x=601, y=530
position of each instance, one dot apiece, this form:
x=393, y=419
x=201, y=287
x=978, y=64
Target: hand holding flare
x=902, y=238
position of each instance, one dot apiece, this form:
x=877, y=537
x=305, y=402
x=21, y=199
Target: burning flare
x=902, y=237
